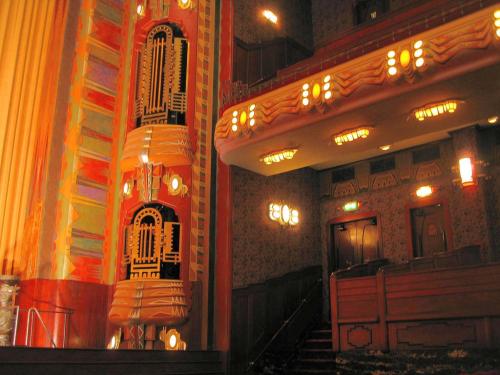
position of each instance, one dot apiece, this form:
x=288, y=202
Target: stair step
x=316, y=353
x=321, y=334
x=318, y=343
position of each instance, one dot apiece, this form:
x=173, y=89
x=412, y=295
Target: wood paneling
x=259, y=310
x=425, y=309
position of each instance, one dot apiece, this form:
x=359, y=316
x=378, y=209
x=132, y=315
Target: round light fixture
x=492, y=119
x=385, y=147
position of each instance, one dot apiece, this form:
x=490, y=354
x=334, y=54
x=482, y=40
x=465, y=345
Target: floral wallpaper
x=473, y=212
x=262, y=248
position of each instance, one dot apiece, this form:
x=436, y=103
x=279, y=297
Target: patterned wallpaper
x=332, y=17
x=263, y=249
x=390, y=194
x=294, y=21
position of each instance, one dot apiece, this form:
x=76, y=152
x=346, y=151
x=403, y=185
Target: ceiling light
x=435, y=109
x=278, y=156
x=385, y=147
x=351, y=135
x=270, y=16
x=492, y=119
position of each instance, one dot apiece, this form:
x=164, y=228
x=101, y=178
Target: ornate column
x=8, y=289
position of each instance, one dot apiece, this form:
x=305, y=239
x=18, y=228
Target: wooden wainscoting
x=424, y=309
x=259, y=310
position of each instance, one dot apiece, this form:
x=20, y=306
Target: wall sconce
x=424, y=191
x=174, y=184
x=466, y=171
x=242, y=117
x=172, y=340
x=128, y=186
x=406, y=56
x=318, y=92
x=435, y=109
x=270, y=16
x=114, y=342
x=351, y=135
x=283, y=214
x=277, y=156
x=185, y=4
x=351, y=206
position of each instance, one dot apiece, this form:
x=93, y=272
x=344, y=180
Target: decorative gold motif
x=158, y=302
x=174, y=184
x=172, y=339
x=163, y=86
x=151, y=242
x=166, y=145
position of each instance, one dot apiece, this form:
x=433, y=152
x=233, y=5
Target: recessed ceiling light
x=493, y=119
x=385, y=148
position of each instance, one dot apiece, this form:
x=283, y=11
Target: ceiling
x=388, y=111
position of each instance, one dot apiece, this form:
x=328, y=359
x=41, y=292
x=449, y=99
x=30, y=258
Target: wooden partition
x=259, y=310
x=425, y=309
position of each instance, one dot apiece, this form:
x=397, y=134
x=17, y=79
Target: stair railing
x=305, y=301
x=33, y=313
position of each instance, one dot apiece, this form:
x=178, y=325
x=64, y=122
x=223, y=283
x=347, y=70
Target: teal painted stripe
x=94, y=246
x=98, y=122
x=106, y=9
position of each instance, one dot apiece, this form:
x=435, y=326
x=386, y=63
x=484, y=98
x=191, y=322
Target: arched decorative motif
x=153, y=245
x=161, y=97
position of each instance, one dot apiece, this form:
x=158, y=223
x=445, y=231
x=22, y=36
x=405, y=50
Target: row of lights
x=278, y=156
x=283, y=214
x=351, y=135
x=435, y=109
x=316, y=90
x=405, y=58
x=242, y=118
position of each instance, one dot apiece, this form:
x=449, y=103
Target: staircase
x=316, y=355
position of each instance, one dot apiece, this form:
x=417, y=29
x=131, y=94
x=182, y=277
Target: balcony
x=356, y=87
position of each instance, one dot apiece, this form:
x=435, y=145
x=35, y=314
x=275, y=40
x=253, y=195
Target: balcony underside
x=462, y=62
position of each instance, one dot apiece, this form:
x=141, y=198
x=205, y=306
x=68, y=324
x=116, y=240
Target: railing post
x=382, y=310
x=334, y=311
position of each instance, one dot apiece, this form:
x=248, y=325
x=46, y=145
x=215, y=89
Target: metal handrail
x=29, y=325
x=286, y=323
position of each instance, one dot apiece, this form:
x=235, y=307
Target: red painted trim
x=223, y=259
x=423, y=202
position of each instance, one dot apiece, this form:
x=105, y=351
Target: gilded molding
x=168, y=145
x=474, y=32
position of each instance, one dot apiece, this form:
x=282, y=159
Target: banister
x=286, y=322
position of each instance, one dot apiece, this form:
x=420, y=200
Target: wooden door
x=428, y=230
x=354, y=242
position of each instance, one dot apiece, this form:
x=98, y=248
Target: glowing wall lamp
x=424, y=191
x=283, y=214
x=351, y=206
x=277, y=156
x=435, y=109
x=351, y=135
x=496, y=15
x=466, y=171
x=172, y=340
x=270, y=16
